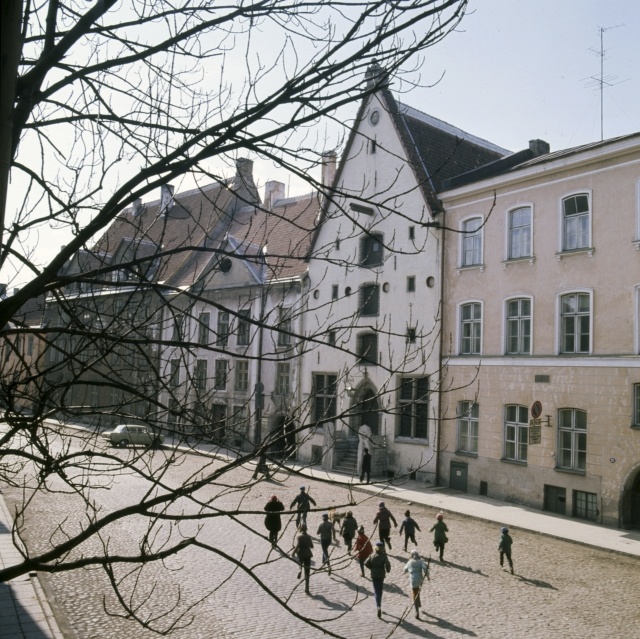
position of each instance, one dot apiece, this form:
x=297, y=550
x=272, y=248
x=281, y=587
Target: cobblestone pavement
x=559, y=588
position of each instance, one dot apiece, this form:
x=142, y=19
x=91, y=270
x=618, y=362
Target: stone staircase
x=347, y=458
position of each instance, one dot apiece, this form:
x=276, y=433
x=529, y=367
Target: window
x=172, y=412
x=470, y=328
x=284, y=324
x=222, y=371
x=240, y=421
x=200, y=380
x=636, y=405
x=243, y=328
x=468, y=421
x=575, y=323
x=572, y=439
x=219, y=420
x=585, y=505
x=411, y=283
x=413, y=405
x=520, y=233
x=324, y=391
x=371, y=250
x=331, y=336
x=412, y=232
x=242, y=375
x=334, y=291
x=516, y=433
x=411, y=335
x=575, y=222
x=223, y=328
x=369, y=299
x=178, y=328
x=283, y=375
x=203, y=329
x=519, y=327
x=174, y=373
x=367, y=348
x=472, y=242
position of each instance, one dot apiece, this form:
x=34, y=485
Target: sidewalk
x=24, y=610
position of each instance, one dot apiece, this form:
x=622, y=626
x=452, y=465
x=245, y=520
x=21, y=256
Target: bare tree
x=102, y=107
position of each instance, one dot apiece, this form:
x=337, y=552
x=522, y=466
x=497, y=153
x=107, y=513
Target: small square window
x=411, y=284
x=332, y=338
x=411, y=335
x=412, y=232
x=334, y=292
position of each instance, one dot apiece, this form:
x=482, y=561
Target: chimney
x=273, y=191
x=166, y=198
x=244, y=171
x=539, y=147
x=329, y=161
x=136, y=207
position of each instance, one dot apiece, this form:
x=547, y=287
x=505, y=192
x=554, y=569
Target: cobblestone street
x=558, y=589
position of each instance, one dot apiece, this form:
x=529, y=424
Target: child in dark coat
x=348, y=529
x=409, y=526
x=439, y=530
x=505, y=547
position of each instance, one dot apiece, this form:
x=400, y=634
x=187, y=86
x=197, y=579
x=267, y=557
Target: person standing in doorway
x=409, y=526
x=303, y=503
x=326, y=533
x=505, y=547
x=303, y=550
x=379, y=566
x=439, y=530
x=366, y=466
x=418, y=569
x=362, y=548
x=384, y=519
x=272, y=521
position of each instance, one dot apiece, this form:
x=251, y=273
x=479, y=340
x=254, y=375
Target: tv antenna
x=602, y=81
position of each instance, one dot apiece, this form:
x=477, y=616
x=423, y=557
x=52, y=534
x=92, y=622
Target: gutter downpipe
x=440, y=385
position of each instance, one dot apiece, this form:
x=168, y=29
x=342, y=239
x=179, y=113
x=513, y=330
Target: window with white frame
x=413, y=407
x=576, y=222
x=516, y=432
x=324, y=391
x=242, y=375
x=178, y=328
x=520, y=233
x=244, y=332
x=221, y=374
x=636, y=405
x=283, y=378
x=585, y=505
x=223, y=328
x=284, y=324
x=575, y=323
x=200, y=376
x=472, y=242
x=519, y=326
x=203, y=329
x=367, y=348
x=468, y=427
x=572, y=439
x=369, y=299
x=470, y=328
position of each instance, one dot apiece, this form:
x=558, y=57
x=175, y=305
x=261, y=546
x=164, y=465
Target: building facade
x=541, y=292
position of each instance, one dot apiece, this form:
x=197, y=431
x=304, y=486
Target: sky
x=517, y=70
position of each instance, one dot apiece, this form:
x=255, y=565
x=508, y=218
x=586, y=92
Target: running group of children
x=358, y=543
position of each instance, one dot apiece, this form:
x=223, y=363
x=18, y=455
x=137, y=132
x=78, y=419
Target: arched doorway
x=365, y=409
x=630, y=500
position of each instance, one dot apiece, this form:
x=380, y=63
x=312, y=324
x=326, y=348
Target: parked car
x=125, y=435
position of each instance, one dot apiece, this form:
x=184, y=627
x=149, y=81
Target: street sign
x=535, y=431
x=536, y=409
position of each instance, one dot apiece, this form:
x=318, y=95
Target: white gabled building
x=371, y=378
